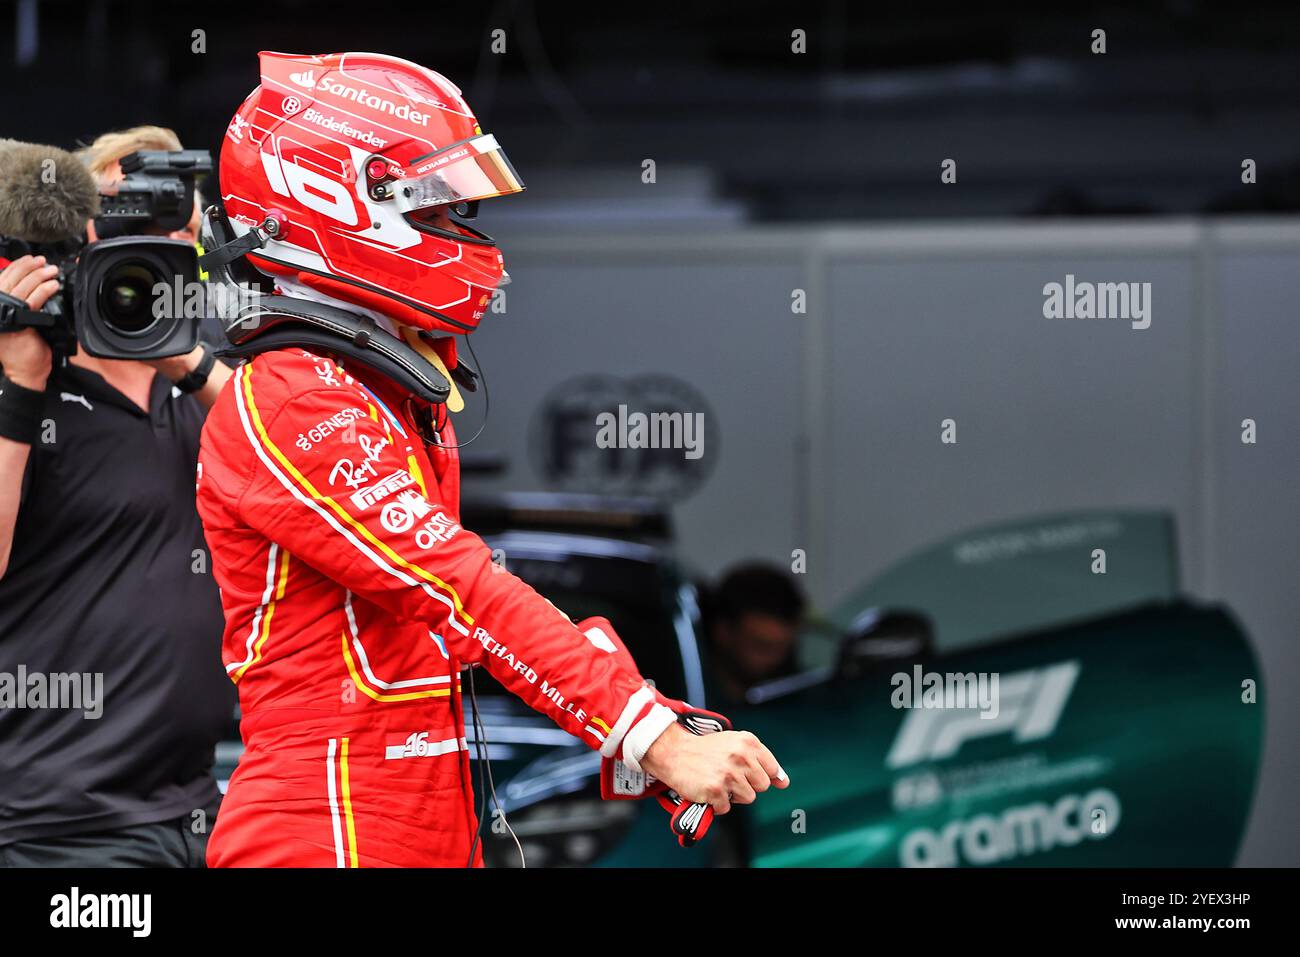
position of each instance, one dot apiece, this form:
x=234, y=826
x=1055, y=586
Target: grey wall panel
x=1257, y=514
x=724, y=327
x=1051, y=414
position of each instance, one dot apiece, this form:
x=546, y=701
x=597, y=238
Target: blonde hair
x=108, y=148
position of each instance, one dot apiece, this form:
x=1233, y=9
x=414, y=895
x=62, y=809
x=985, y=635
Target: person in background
x=753, y=621
x=105, y=591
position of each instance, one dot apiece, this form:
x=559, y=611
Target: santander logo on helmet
x=402, y=111
x=369, y=163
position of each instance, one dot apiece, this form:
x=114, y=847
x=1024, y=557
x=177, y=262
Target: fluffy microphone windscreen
x=46, y=194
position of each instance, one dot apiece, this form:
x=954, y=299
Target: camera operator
x=105, y=588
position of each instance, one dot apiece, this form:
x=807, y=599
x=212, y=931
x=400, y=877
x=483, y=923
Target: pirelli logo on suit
x=372, y=495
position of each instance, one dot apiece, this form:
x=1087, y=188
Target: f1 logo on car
x=1030, y=705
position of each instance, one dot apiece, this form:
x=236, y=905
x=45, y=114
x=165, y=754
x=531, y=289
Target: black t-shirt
x=109, y=575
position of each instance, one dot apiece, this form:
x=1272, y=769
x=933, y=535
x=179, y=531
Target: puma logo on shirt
x=70, y=397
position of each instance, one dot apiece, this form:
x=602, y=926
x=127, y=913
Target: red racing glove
x=620, y=780
x=621, y=775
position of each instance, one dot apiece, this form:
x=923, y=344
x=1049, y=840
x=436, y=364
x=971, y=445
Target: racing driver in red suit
x=329, y=492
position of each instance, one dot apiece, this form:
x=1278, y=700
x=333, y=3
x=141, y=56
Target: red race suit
x=353, y=600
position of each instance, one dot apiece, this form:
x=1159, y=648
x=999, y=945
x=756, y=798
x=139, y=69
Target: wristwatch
x=196, y=379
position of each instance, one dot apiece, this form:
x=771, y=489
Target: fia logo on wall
x=651, y=435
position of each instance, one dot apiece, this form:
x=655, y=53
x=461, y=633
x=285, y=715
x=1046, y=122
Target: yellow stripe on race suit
x=347, y=806
x=414, y=468
x=379, y=696
x=602, y=725
x=282, y=578
x=338, y=509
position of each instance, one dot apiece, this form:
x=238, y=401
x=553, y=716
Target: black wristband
x=21, y=410
x=197, y=379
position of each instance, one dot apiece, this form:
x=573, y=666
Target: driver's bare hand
x=716, y=769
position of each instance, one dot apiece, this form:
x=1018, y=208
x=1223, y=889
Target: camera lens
x=132, y=297
x=126, y=298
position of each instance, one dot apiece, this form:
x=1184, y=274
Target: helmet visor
x=470, y=170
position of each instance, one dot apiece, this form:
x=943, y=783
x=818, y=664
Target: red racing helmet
x=359, y=157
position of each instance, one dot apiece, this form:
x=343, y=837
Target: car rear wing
x=1029, y=575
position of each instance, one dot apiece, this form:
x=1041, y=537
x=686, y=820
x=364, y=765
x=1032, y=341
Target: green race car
x=1033, y=693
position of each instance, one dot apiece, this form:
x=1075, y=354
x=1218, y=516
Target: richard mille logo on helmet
x=363, y=96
